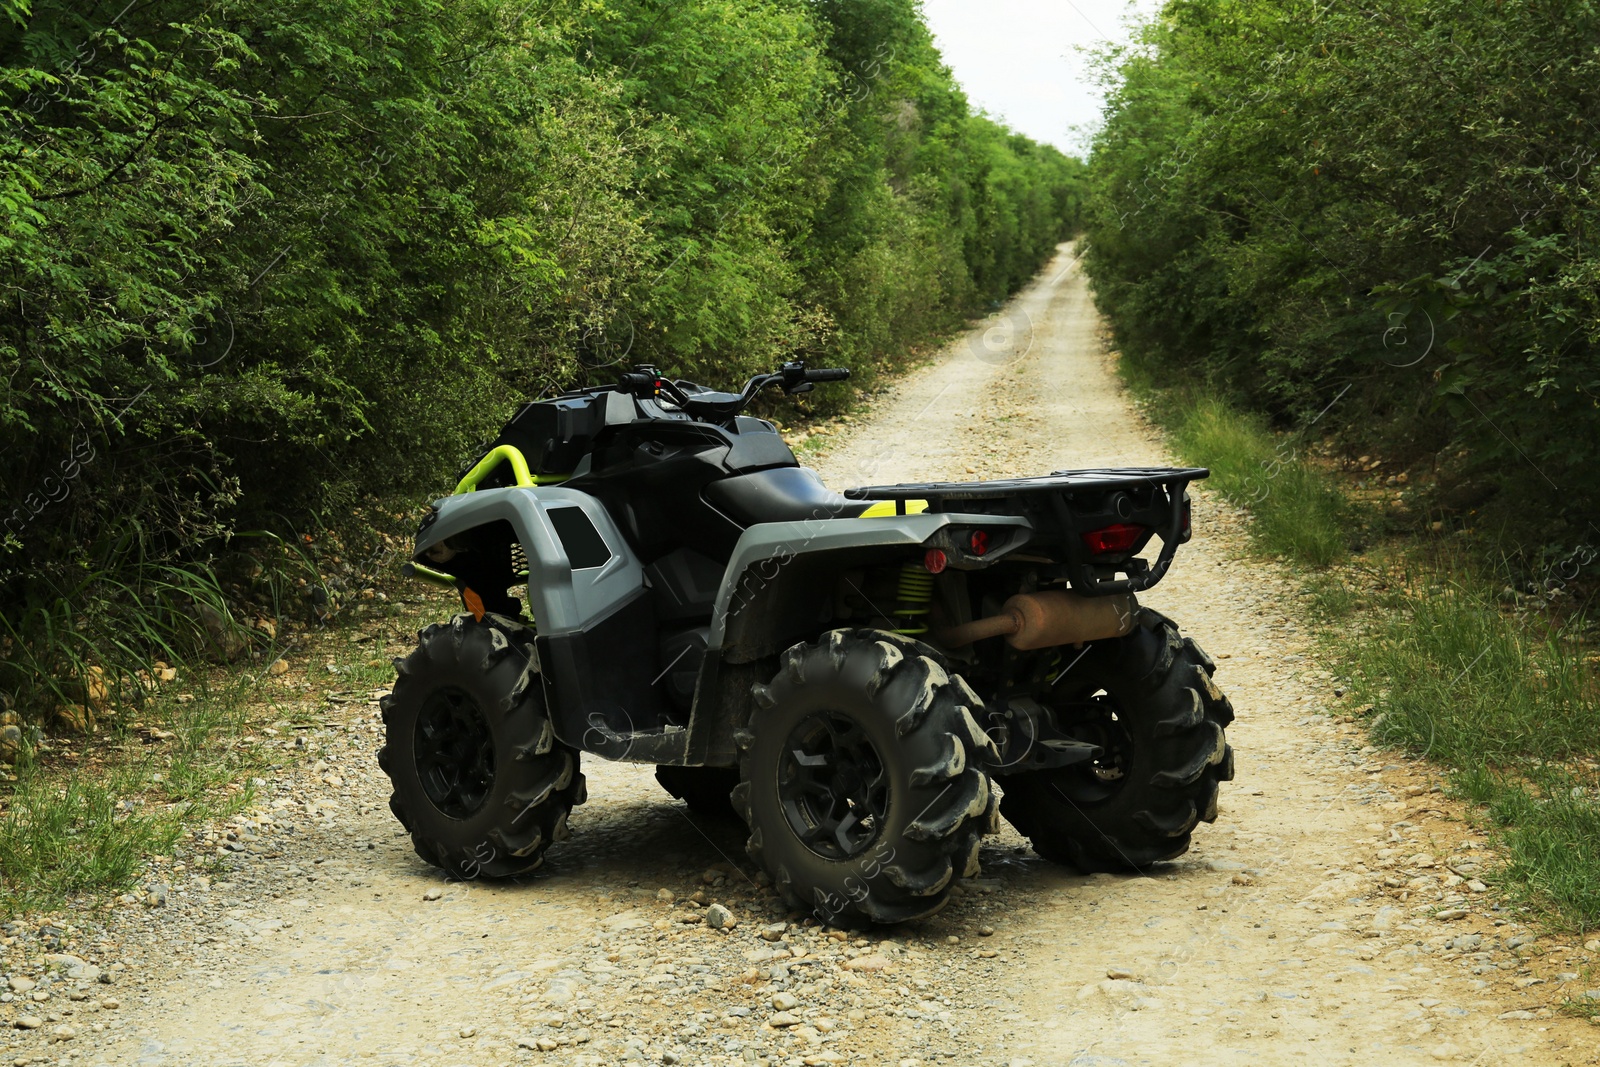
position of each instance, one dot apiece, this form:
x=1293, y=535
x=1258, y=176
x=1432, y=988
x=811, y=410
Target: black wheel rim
x=833, y=786
x=1097, y=721
x=454, y=753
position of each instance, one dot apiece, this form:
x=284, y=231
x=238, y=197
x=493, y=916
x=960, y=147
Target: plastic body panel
x=563, y=599
x=597, y=632
x=784, y=572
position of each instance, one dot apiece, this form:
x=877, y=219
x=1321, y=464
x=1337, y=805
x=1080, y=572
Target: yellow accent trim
x=519, y=467
x=885, y=508
x=427, y=574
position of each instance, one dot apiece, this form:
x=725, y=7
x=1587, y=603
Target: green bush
x=1398, y=196
x=264, y=264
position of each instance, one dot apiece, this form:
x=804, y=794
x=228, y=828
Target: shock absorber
x=913, y=599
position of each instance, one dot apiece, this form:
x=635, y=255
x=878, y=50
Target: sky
x=1018, y=60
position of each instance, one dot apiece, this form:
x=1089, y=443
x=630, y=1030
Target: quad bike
x=850, y=672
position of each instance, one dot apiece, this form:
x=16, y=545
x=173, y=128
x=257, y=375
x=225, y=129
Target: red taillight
x=1118, y=537
x=934, y=560
x=978, y=542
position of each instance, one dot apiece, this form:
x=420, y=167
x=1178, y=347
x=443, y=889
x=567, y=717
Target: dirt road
x=1334, y=914
x=1319, y=920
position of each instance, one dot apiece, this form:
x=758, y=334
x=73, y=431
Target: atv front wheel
x=863, y=784
x=479, y=779
x=1148, y=701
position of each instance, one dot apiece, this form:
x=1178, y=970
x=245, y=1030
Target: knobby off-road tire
x=706, y=790
x=480, y=781
x=862, y=781
x=1148, y=698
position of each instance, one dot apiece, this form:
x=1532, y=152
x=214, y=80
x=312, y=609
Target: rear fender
x=778, y=590
x=781, y=579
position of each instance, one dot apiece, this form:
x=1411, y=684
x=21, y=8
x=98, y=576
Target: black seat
x=782, y=494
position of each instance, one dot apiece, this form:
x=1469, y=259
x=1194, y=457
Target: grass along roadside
x=86, y=814
x=90, y=816
x=1297, y=513
x=1508, y=703
x=1297, y=510
x=1503, y=693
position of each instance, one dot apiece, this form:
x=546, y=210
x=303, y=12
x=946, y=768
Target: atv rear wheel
x=1148, y=700
x=863, y=784
x=479, y=779
x=706, y=790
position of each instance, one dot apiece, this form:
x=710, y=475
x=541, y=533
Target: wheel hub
x=1098, y=722
x=454, y=753
x=833, y=786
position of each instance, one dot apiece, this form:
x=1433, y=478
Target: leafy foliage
x=1394, y=195
x=261, y=263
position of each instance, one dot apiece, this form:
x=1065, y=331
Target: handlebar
x=794, y=377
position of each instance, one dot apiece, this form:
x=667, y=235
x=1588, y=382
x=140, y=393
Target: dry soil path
x=1309, y=925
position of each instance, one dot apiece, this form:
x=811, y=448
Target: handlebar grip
x=827, y=374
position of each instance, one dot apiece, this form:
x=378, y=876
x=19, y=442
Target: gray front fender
x=562, y=599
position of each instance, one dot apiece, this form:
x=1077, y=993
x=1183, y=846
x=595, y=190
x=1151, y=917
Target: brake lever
x=672, y=391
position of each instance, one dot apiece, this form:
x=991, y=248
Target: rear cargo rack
x=1069, y=504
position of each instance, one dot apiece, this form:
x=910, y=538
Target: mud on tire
x=1148, y=698
x=480, y=781
x=862, y=778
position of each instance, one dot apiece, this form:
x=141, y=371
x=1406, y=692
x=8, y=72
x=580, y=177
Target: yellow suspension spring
x=913, y=599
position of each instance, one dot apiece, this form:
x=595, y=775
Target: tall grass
x=1510, y=705
x=118, y=622
x=1454, y=678
x=89, y=827
x=1549, y=822
x=83, y=817
x=1297, y=511
x=63, y=837
x=91, y=830
x=122, y=618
